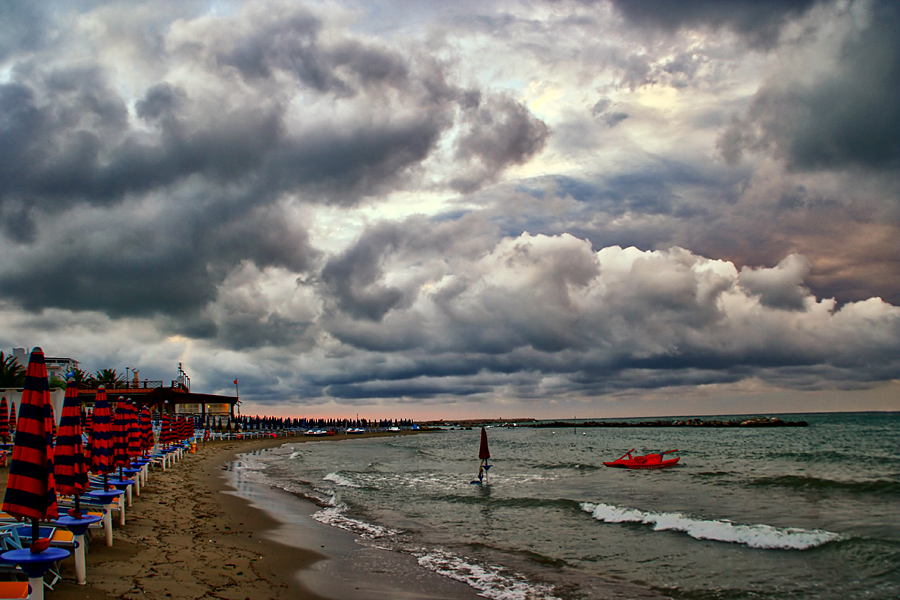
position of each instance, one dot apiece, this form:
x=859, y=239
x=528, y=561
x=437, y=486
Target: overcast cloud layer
x=458, y=208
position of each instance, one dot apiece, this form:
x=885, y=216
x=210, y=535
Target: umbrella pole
x=35, y=531
x=80, y=566
x=36, y=585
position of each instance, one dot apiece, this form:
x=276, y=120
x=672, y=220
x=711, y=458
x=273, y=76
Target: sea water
x=786, y=512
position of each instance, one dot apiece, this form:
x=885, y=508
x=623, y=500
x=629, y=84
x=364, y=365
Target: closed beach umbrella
x=120, y=436
x=187, y=428
x=31, y=488
x=71, y=469
x=165, y=431
x=483, y=452
x=12, y=417
x=4, y=419
x=101, y=435
x=146, y=431
x=134, y=432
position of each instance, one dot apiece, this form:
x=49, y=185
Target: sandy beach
x=189, y=535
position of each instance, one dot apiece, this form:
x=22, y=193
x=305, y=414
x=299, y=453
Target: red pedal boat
x=648, y=461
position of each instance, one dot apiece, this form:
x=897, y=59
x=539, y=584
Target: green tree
x=12, y=374
x=109, y=378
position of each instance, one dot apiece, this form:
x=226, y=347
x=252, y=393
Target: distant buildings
x=56, y=366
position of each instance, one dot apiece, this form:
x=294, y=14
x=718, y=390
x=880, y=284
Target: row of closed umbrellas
x=40, y=468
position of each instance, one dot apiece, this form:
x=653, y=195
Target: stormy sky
x=434, y=209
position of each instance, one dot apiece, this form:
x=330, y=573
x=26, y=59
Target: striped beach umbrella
x=4, y=419
x=183, y=429
x=101, y=447
x=71, y=469
x=12, y=418
x=146, y=431
x=31, y=487
x=134, y=431
x=120, y=436
x=165, y=430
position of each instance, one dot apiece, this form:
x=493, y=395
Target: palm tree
x=109, y=378
x=83, y=378
x=12, y=374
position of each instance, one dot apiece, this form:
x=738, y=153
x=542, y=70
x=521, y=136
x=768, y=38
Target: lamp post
x=126, y=375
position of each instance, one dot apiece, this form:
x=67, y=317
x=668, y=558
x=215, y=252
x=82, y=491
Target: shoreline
x=193, y=534
x=185, y=538
x=346, y=570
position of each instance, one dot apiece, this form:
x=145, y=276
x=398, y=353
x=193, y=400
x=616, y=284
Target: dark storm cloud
x=291, y=46
x=71, y=142
x=66, y=135
x=343, y=164
x=781, y=287
x=191, y=176
x=217, y=158
x=540, y=309
x=758, y=21
x=23, y=27
x=17, y=222
x=355, y=277
x=849, y=117
x=170, y=266
x=498, y=133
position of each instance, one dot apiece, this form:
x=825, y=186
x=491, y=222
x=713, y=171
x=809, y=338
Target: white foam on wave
x=340, y=480
x=755, y=536
x=246, y=462
x=489, y=581
x=334, y=516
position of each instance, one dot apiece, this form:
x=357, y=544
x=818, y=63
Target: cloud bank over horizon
x=359, y=205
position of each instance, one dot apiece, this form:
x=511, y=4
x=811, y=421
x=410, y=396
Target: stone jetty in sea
x=738, y=422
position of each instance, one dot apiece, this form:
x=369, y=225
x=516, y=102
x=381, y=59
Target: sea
x=748, y=513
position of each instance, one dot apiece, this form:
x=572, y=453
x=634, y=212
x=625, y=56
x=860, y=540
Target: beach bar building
x=175, y=398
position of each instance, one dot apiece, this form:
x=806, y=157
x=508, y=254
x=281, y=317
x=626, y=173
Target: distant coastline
x=746, y=421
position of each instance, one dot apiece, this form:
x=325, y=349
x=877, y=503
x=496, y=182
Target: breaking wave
x=755, y=536
x=490, y=581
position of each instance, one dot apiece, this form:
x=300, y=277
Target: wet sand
x=190, y=535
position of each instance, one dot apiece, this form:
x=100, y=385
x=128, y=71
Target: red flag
x=235, y=382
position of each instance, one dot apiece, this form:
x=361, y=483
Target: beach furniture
x=109, y=500
x=30, y=490
x=77, y=528
x=133, y=474
x=125, y=485
x=13, y=590
x=11, y=539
